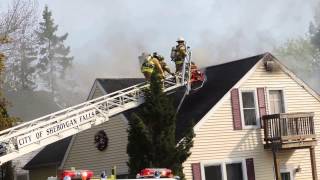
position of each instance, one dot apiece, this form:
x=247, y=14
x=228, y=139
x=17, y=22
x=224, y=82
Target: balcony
x=289, y=131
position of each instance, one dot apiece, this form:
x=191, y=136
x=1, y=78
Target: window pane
x=276, y=101
x=250, y=117
x=248, y=100
x=285, y=176
x=234, y=171
x=213, y=172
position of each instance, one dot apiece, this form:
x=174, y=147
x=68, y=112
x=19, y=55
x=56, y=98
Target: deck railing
x=286, y=127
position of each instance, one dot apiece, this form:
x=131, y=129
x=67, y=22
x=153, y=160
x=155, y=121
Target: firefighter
x=196, y=76
x=193, y=66
x=163, y=64
x=150, y=66
x=178, y=54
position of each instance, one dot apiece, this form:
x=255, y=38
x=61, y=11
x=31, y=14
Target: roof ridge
x=242, y=59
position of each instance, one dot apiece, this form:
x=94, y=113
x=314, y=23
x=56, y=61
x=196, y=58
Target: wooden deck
x=289, y=131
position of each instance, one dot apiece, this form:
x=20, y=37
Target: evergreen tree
x=5, y=122
x=20, y=71
x=27, y=69
x=152, y=141
x=54, y=55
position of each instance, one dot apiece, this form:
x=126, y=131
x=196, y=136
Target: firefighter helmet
x=160, y=58
x=180, y=39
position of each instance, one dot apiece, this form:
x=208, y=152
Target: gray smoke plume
x=107, y=36
x=217, y=31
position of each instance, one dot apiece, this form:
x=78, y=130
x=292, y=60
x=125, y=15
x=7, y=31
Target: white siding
x=216, y=140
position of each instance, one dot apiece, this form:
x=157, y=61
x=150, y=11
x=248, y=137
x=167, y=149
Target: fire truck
x=147, y=173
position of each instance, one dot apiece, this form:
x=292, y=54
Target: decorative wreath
x=101, y=140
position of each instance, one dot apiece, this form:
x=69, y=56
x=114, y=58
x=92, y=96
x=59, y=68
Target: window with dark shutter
x=250, y=169
x=196, y=171
x=249, y=108
x=235, y=104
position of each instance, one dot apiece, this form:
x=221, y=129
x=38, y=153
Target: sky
x=107, y=36
x=156, y=24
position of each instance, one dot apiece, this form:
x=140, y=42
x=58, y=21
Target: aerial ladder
x=32, y=135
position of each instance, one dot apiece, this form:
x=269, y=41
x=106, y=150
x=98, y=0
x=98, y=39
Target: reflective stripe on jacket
x=179, y=61
x=147, y=67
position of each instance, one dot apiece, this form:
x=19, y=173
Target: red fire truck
x=75, y=174
x=155, y=173
x=147, y=173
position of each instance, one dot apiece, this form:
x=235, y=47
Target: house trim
x=92, y=89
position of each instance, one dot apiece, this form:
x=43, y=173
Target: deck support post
x=313, y=163
x=276, y=164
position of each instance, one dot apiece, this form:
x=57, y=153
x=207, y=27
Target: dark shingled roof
x=51, y=155
x=220, y=79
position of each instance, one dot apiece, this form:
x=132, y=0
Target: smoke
x=106, y=37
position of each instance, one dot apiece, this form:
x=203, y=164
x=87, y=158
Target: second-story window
x=249, y=108
x=276, y=102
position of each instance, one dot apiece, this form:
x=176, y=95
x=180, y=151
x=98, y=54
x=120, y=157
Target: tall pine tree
x=20, y=71
x=152, y=141
x=27, y=68
x=54, y=55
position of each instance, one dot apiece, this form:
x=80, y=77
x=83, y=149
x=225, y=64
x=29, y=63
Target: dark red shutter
x=262, y=104
x=235, y=103
x=250, y=169
x=196, y=171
